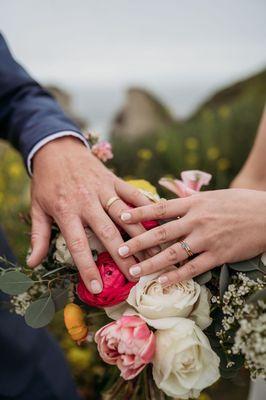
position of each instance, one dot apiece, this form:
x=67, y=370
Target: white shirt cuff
x=48, y=139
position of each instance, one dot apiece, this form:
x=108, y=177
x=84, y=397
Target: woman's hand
x=218, y=226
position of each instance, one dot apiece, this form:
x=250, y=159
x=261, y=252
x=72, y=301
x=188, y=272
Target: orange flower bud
x=74, y=321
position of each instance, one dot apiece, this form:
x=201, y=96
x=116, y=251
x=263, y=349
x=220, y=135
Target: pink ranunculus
x=191, y=182
x=127, y=343
x=103, y=150
x=116, y=287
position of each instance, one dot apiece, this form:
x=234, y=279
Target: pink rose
x=116, y=287
x=103, y=150
x=191, y=182
x=127, y=343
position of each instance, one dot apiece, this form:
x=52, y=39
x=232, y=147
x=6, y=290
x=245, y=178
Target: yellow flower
x=146, y=188
x=161, y=146
x=15, y=170
x=204, y=396
x=74, y=322
x=223, y=164
x=143, y=184
x=191, y=143
x=224, y=112
x=79, y=358
x=145, y=154
x=213, y=153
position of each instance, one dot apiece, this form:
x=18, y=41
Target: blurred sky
x=182, y=50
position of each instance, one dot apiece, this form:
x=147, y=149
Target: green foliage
x=216, y=139
x=15, y=282
x=40, y=312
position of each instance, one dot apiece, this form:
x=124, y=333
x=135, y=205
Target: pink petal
x=176, y=186
x=195, y=179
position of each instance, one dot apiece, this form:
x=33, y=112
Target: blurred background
x=173, y=84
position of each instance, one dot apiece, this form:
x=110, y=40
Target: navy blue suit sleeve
x=28, y=113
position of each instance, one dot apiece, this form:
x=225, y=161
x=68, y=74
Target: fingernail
x=123, y=250
x=96, y=287
x=126, y=216
x=162, y=279
x=135, y=271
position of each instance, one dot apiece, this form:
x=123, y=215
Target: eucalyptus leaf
x=40, y=313
x=254, y=275
x=223, y=279
x=247, y=265
x=203, y=278
x=60, y=297
x=262, y=267
x=260, y=295
x=15, y=282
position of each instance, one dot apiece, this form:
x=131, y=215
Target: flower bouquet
x=163, y=341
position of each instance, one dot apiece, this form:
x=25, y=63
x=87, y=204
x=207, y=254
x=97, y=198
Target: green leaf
x=60, y=297
x=203, y=278
x=247, y=265
x=40, y=312
x=260, y=295
x=223, y=279
x=15, y=282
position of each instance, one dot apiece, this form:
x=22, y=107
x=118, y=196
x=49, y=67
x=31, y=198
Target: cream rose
x=62, y=254
x=184, y=363
x=159, y=306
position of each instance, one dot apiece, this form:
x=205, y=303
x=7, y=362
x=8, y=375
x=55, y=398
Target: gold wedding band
x=110, y=202
x=186, y=247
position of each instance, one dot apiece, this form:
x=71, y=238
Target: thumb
x=40, y=236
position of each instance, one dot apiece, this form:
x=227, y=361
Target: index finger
x=77, y=243
x=162, y=210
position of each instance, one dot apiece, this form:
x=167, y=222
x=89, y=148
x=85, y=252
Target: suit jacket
x=28, y=114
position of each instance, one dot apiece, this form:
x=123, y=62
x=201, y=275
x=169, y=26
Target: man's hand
x=72, y=187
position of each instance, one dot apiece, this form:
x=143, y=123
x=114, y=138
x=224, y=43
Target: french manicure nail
x=135, y=271
x=123, y=250
x=163, y=279
x=96, y=287
x=126, y=216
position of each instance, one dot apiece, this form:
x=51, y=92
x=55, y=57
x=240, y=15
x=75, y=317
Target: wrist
x=58, y=148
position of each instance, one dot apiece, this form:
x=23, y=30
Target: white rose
x=159, y=306
x=184, y=362
x=62, y=254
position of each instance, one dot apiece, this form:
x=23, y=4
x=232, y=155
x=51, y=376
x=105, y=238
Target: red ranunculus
x=149, y=224
x=116, y=287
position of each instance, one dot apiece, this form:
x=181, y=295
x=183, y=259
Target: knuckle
x=61, y=207
x=108, y=232
x=160, y=208
x=137, y=244
x=148, y=266
x=172, y=254
x=192, y=268
x=174, y=276
x=77, y=245
x=35, y=235
x=136, y=194
x=161, y=234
